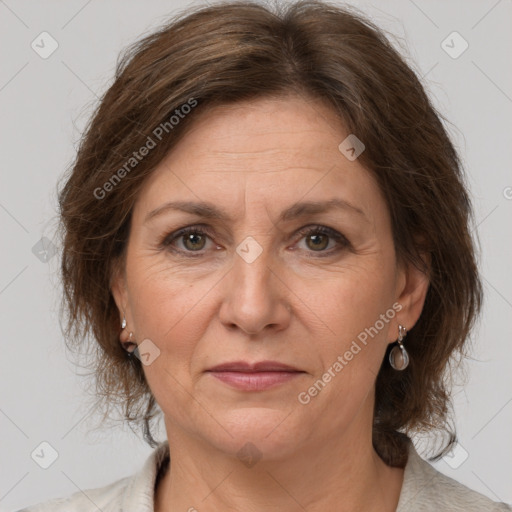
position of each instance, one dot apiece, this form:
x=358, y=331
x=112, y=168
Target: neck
x=342, y=474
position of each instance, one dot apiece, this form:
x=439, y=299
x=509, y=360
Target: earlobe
x=119, y=291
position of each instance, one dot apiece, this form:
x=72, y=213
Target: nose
x=255, y=297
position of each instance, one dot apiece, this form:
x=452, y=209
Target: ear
x=413, y=283
x=119, y=290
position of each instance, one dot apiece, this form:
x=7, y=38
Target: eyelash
x=303, y=232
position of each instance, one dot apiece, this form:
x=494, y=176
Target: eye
x=319, y=238
x=192, y=239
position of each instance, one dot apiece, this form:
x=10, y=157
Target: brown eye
x=317, y=242
x=189, y=241
x=194, y=241
x=322, y=240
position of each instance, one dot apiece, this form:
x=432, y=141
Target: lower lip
x=255, y=381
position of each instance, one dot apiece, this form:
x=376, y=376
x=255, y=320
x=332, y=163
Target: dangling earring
x=398, y=357
x=129, y=346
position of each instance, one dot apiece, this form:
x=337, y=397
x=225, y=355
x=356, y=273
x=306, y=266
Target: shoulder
x=107, y=499
x=426, y=489
x=132, y=493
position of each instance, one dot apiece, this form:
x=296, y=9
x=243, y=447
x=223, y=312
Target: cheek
x=168, y=309
x=356, y=310
x=353, y=299
x=172, y=314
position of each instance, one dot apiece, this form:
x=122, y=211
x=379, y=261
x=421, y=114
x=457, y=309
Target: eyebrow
x=300, y=209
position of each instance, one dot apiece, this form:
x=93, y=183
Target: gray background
x=44, y=106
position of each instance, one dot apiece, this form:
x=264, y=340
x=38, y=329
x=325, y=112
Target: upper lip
x=261, y=366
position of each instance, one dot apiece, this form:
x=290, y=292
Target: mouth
x=254, y=376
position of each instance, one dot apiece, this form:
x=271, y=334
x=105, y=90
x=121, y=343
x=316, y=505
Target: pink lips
x=256, y=376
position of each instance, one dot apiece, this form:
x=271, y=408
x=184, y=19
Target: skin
x=255, y=159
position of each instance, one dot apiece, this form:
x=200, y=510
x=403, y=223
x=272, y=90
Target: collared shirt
x=424, y=489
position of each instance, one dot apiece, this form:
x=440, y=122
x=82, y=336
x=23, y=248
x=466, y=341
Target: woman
x=266, y=231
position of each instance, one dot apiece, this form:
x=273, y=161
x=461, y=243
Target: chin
x=258, y=433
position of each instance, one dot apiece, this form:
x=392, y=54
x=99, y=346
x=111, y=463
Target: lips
x=261, y=366
x=258, y=376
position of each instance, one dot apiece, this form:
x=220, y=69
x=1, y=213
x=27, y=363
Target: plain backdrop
x=45, y=103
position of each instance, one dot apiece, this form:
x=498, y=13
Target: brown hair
x=239, y=51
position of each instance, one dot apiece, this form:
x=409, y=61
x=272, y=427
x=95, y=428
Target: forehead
x=267, y=152
x=265, y=130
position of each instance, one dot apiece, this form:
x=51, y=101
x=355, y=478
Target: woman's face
x=289, y=259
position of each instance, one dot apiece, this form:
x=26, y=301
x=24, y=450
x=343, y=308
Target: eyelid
x=320, y=228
